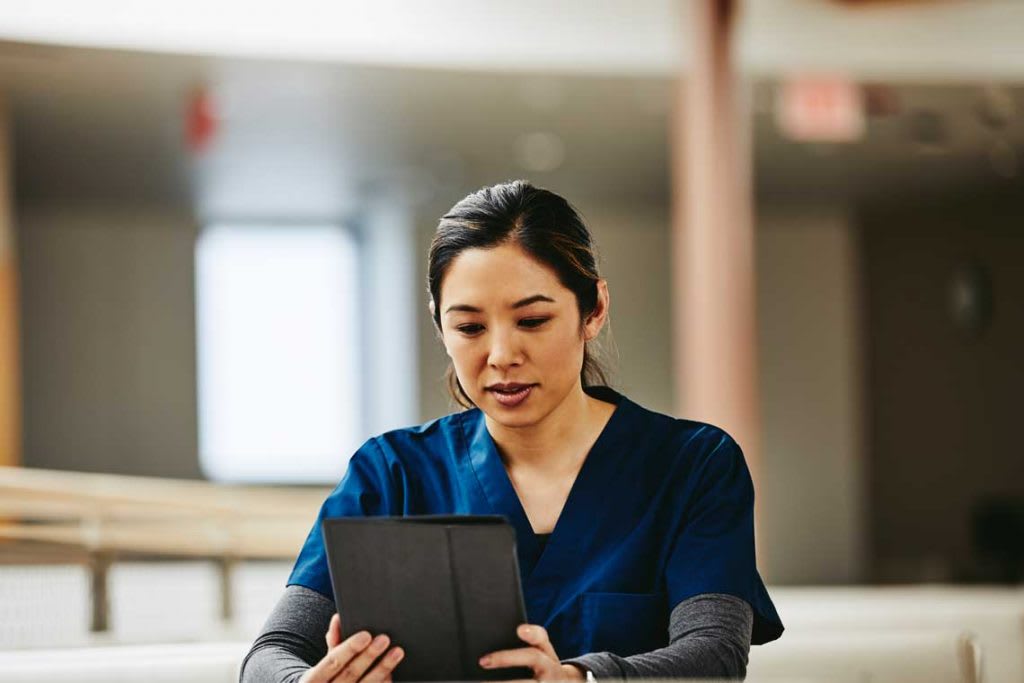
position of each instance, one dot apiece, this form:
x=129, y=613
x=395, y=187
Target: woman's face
x=513, y=333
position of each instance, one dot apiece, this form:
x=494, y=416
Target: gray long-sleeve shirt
x=709, y=637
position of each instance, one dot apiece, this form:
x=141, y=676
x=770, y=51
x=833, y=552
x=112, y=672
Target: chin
x=513, y=422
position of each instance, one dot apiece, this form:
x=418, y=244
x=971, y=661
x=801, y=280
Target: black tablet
x=444, y=588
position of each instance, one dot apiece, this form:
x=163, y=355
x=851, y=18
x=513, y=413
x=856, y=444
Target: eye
x=531, y=323
x=469, y=329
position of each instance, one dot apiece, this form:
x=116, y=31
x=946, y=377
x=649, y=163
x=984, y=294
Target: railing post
x=227, y=565
x=99, y=570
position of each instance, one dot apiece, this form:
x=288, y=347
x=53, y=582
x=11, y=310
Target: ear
x=437, y=331
x=594, y=323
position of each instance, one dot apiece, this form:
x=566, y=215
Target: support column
x=715, y=326
x=10, y=364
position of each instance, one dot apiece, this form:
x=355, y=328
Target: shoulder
x=682, y=437
x=434, y=439
x=688, y=447
x=408, y=453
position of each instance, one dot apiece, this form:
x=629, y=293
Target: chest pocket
x=624, y=623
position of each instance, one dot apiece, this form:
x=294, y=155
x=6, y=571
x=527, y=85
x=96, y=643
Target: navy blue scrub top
x=661, y=510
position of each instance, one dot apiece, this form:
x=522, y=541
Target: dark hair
x=545, y=225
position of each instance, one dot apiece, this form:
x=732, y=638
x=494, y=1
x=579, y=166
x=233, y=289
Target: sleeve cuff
x=601, y=664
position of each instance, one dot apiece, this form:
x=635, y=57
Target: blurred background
x=214, y=220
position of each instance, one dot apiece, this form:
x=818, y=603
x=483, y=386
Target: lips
x=511, y=394
x=508, y=387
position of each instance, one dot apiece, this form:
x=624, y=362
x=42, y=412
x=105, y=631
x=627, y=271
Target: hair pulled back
x=544, y=225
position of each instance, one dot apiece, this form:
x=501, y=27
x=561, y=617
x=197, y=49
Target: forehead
x=498, y=276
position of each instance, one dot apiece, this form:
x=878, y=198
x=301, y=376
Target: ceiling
x=890, y=40
x=314, y=139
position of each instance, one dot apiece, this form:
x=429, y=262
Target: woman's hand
x=351, y=660
x=540, y=657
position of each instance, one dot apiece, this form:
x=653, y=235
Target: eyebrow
x=519, y=304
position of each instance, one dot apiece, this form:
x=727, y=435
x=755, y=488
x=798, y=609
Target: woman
x=634, y=529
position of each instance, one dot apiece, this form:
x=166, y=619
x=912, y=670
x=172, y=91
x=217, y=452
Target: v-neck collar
x=584, y=506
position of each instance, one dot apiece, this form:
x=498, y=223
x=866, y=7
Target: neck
x=554, y=443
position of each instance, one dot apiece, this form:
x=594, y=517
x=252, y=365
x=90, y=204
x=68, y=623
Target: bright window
x=278, y=352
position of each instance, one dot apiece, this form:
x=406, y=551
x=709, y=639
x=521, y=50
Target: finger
x=537, y=636
x=381, y=673
x=334, y=632
x=525, y=656
x=359, y=664
x=338, y=657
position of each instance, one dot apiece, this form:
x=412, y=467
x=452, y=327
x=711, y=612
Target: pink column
x=714, y=323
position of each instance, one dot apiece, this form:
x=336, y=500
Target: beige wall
x=811, y=369
x=633, y=242
x=109, y=333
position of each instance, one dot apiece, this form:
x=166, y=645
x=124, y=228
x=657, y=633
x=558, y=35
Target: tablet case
x=444, y=588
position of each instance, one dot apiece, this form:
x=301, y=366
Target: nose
x=504, y=351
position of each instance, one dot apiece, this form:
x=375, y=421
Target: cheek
x=559, y=349
x=463, y=352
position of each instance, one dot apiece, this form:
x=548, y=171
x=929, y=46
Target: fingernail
x=380, y=642
x=525, y=631
x=396, y=654
x=362, y=639
x=485, y=661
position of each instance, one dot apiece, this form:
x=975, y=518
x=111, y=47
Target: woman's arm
x=709, y=637
x=292, y=639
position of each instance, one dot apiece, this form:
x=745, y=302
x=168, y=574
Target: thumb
x=334, y=632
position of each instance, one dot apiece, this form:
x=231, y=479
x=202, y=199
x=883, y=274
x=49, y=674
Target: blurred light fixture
x=539, y=152
x=277, y=352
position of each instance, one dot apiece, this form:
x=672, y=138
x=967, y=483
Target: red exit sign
x=820, y=109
